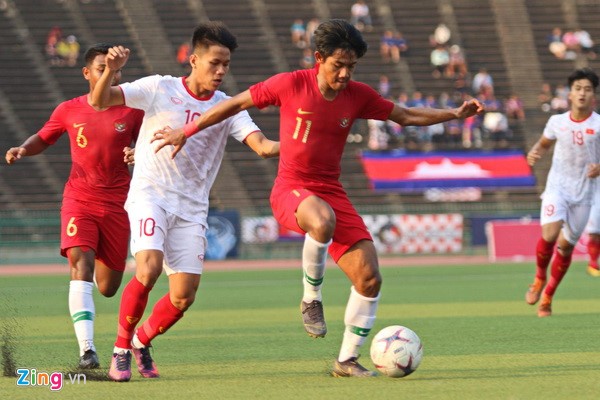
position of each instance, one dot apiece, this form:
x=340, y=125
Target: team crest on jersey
x=176, y=100
x=589, y=131
x=120, y=126
x=344, y=122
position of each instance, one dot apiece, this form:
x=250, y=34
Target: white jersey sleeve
x=140, y=93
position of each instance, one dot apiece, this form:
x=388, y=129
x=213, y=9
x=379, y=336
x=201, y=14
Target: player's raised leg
x=317, y=219
x=314, y=255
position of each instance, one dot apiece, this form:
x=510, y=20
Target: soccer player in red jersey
x=94, y=225
x=317, y=108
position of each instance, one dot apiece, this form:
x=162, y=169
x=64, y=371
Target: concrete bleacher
x=256, y=59
x=544, y=16
x=417, y=21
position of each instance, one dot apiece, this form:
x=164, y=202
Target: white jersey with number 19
x=577, y=145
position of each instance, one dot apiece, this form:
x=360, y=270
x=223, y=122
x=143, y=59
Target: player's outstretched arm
x=214, y=115
x=421, y=116
x=538, y=150
x=104, y=94
x=30, y=147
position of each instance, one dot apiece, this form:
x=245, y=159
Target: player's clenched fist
x=15, y=153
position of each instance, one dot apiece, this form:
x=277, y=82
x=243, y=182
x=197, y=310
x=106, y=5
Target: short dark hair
x=337, y=34
x=92, y=52
x=584, y=73
x=213, y=32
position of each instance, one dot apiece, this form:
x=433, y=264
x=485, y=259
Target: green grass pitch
x=243, y=338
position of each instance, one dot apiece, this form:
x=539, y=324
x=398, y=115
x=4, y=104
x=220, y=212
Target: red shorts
x=349, y=228
x=101, y=227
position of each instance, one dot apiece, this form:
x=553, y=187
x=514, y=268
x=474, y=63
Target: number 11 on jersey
x=299, y=121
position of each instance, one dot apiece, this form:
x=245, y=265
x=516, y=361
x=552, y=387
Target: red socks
x=594, y=251
x=560, y=266
x=133, y=304
x=164, y=315
x=543, y=254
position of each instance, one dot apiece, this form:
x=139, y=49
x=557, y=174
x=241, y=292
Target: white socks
x=136, y=343
x=314, y=255
x=359, y=319
x=82, y=309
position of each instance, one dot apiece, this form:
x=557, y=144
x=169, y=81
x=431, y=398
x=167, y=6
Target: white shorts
x=593, y=226
x=183, y=243
x=574, y=216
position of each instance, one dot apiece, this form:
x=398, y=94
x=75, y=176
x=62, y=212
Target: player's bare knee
x=323, y=228
x=107, y=290
x=369, y=286
x=183, y=303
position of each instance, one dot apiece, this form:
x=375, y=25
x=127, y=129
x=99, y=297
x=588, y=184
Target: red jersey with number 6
x=97, y=138
x=313, y=130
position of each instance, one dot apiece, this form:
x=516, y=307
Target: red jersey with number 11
x=313, y=130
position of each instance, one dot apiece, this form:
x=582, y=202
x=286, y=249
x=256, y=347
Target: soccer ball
x=396, y=351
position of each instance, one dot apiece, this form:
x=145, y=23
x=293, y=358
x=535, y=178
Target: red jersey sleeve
x=269, y=92
x=374, y=106
x=55, y=127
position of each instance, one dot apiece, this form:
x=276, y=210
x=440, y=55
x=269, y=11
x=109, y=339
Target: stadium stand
x=31, y=88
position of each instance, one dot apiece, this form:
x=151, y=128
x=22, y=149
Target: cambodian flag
x=399, y=170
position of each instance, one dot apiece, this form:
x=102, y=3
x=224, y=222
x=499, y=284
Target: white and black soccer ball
x=396, y=351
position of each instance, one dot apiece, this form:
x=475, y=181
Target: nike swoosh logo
x=301, y=112
x=79, y=125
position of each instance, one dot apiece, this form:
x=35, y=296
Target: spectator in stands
x=307, y=196
x=570, y=187
x=545, y=97
x=68, y=51
x=308, y=58
x=560, y=100
x=54, y=36
x=170, y=196
x=311, y=27
x=94, y=225
x=386, y=47
x=384, y=87
x=482, y=82
x=392, y=45
x=441, y=35
x=183, y=54
x=440, y=58
x=457, y=65
x=454, y=133
x=471, y=134
x=586, y=43
x=298, y=33
x=378, y=136
x=495, y=127
x=416, y=100
x=360, y=16
x=572, y=45
x=556, y=44
x=514, y=109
